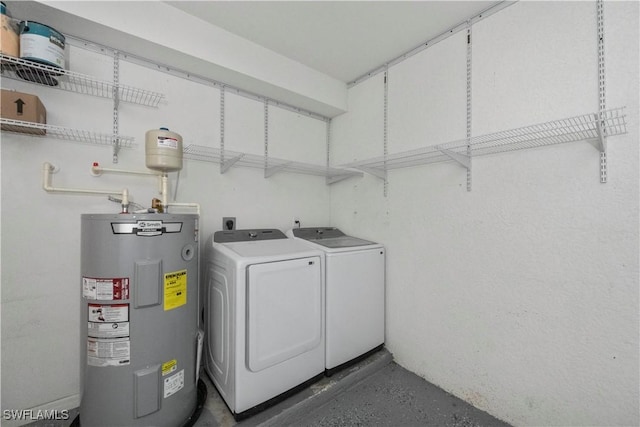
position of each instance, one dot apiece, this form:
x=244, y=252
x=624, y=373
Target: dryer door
x=284, y=311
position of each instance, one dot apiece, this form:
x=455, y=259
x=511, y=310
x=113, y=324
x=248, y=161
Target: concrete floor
x=374, y=392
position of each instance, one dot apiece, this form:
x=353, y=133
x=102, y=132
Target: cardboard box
x=24, y=107
x=9, y=38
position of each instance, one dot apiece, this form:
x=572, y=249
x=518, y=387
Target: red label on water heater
x=105, y=288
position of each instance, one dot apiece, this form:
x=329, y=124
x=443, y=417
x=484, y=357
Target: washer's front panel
x=355, y=304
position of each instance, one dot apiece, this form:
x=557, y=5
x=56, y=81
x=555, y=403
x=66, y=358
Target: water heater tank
x=163, y=150
x=139, y=319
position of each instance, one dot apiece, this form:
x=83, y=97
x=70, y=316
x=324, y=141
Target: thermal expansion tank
x=139, y=326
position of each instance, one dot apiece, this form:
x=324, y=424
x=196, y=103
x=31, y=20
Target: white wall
x=520, y=296
x=41, y=231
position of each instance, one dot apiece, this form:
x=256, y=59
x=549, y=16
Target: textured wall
x=520, y=296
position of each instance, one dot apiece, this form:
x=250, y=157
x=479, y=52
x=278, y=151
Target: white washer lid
x=342, y=242
x=277, y=247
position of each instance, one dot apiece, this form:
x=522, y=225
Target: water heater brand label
x=146, y=227
x=105, y=288
x=175, y=289
x=173, y=384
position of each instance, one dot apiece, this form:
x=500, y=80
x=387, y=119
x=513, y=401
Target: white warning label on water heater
x=108, y=312
x=105, y=288
x=108, y=351
x=108, y=330
x=174, y=383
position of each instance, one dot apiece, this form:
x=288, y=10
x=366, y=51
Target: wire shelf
x=33, y=72
x=587, y=127
x=50, y=131
x=271, y=165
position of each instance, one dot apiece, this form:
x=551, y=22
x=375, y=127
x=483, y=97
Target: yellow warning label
x=175, y=289
x=169, y=367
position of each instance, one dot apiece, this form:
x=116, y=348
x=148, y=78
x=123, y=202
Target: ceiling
x=343, y=39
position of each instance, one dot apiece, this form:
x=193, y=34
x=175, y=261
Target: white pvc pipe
x=48, y=168
x=125, y=201
x=96, y=170
x=165, y=190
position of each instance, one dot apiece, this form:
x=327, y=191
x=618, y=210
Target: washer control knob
x=253, y=234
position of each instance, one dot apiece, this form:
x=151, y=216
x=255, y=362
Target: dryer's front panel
x=284, y=311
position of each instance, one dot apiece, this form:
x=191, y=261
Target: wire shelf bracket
x=271, y=170
x=463, y=159
x=225, y=165
x=377, y=171
x=44, y=75
x=601, y=141
x=333, y=178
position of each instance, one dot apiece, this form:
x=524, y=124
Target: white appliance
x=355, y=281
x=264, y=315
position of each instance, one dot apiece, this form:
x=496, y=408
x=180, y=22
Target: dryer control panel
x=226, y=236
x=310, y=233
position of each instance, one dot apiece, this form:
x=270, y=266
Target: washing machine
x=264, y=317
x=355, y=289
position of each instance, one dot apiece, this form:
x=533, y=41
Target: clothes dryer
x=355, y=293
x=264, y=316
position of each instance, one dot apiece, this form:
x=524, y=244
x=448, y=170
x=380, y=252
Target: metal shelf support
x=469, y=108
x=225, y=165
x=271, y=170
x=266, y=136
x=337, y=178
x=463, y=159
x=386, y=130
x=601, y=93
x=377, y=172
x=116, y=104
x=328, y=159
x=601, y=141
